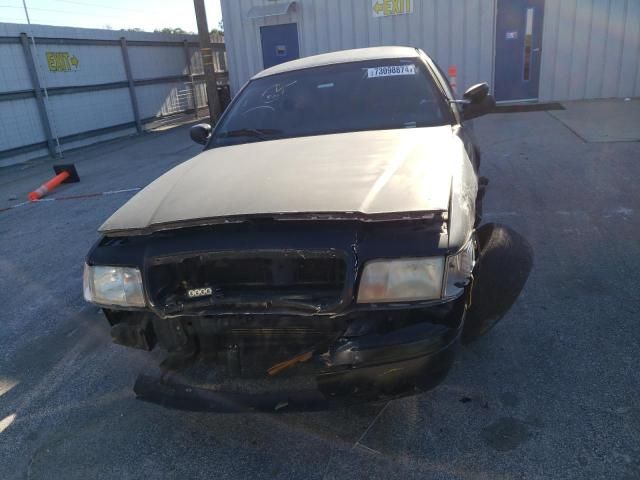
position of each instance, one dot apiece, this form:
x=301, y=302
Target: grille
x=255, y=281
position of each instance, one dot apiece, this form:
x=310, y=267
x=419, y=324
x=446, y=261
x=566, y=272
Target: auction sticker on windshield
x=391, y=70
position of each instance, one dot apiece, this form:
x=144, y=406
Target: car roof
x=343, y=56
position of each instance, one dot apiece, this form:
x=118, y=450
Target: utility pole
x=47, y=120
x=207, y=61
x=26, y=11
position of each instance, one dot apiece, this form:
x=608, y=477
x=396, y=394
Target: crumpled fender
x=505, y=261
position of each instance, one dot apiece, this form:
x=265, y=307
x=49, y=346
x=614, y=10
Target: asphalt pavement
x=553, y=391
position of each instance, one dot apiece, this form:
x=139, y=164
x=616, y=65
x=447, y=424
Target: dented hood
x=373, y=172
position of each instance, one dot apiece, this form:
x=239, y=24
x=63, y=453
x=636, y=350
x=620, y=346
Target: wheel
x=504, y=263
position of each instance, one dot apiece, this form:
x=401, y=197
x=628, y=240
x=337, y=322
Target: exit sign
x=386, y=8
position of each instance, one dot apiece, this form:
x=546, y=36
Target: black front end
x=262, y=313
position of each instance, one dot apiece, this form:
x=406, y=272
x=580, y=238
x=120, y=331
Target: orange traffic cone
x=64, y=174
x=453, y=78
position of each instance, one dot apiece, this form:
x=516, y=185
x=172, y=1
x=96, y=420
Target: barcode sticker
x=391, y=71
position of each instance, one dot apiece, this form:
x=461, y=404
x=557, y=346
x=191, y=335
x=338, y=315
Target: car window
x=372, y=95
x=444, y=81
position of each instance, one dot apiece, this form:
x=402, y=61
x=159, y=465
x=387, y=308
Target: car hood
x=372, y=172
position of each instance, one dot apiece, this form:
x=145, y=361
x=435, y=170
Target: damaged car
x=326, y=246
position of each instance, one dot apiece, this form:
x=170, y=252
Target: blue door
x=518, y=48
x=279, y=44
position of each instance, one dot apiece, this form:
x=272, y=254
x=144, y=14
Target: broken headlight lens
x=120, y=286
x=402, y=280
x=459, y=269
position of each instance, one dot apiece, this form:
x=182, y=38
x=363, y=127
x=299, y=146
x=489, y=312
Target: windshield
x=371, y=95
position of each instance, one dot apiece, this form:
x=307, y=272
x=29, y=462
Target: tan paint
x=407, y=170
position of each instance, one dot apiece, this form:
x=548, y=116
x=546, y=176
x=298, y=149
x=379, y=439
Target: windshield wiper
x=259, y=133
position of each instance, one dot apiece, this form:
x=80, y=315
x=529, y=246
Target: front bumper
x=404, y=361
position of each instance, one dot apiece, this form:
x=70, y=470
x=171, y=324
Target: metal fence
x=61, y=88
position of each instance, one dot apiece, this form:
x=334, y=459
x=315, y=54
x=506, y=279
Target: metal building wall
x=456, y=33
x=93, y=101
x=590, y=49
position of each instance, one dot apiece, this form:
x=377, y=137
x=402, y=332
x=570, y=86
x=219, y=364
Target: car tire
x=505, y=261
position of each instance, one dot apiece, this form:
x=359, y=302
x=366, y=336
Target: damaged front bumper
x=346, y=353
x=369, y=364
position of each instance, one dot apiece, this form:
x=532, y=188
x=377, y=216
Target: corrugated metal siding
x=153, y=62
x=14, y=74
x=77, y=112
x=19, y=124
x=103, y=68
x=456, y=33
x=590, y=49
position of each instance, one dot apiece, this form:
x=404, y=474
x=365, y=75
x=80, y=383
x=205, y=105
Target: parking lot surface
x=553, y=391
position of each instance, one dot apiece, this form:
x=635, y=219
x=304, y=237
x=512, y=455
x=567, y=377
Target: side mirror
x=477, y=92
x=200, y=133
x=477, y=101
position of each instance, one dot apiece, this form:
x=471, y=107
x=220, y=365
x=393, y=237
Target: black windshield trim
x=322, y=134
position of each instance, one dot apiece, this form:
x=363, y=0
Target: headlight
x=404, y=280
x=459, y=268
x=415, y=279
x=113, y=286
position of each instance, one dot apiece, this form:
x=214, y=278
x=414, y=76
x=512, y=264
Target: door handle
x=535, y=50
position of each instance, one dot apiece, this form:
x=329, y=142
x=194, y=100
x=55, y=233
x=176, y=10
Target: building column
x=132, y=86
